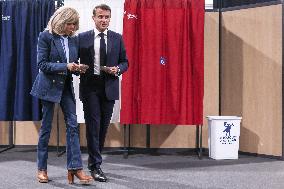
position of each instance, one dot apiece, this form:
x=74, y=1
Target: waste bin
x=223, y=136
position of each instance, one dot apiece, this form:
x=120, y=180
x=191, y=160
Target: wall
x=251, y=76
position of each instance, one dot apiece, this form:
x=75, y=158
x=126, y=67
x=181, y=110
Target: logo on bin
x=228, y=138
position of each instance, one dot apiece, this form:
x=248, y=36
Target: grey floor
x=18, y=170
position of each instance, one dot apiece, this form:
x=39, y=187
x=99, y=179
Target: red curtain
x=164, y=41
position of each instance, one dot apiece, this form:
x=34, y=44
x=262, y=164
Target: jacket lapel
x=90, y=41
x=72, y=49
x=109, y=42
x=58, y=45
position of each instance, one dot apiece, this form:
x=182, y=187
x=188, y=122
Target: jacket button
x=53, y=81
x=61, y=82
x=57, y=61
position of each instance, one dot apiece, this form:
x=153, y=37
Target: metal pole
x=148, y=136
x=125, y=149
x=220, y=4
x=282, y=81
x=11, y=137
x=200, y=146
x=198, y=141
x=129, y=141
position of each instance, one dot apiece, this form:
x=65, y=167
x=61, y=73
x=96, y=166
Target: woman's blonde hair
x=62, y=16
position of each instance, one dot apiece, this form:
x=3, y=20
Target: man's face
x=102, y=19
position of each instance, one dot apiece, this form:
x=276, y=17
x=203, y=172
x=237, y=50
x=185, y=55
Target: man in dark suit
x=104, y=52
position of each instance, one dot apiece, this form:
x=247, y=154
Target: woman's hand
x=83, y=68
x=73, y=67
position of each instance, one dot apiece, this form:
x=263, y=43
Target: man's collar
x=97, y=32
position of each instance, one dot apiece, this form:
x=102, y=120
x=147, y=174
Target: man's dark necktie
x=103, y=56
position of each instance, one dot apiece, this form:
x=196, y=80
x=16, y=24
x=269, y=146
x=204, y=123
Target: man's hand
x=110, y=70
x=113, y=70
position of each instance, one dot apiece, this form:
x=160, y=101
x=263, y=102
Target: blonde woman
x=56, y=56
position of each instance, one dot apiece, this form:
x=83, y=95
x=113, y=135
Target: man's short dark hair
x=101, y=6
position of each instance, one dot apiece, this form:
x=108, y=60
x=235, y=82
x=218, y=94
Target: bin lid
x=223, y=117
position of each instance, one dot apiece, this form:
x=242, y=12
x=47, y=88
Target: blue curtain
x=22, y=21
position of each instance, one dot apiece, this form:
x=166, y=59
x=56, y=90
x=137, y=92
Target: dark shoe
x=84, y=179
x=42, y=176
x=98, y=175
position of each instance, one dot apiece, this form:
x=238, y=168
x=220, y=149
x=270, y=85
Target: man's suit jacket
x=52, y=64
x=116, y=56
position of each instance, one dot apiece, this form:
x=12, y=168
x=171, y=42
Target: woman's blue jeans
x=73, y=152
